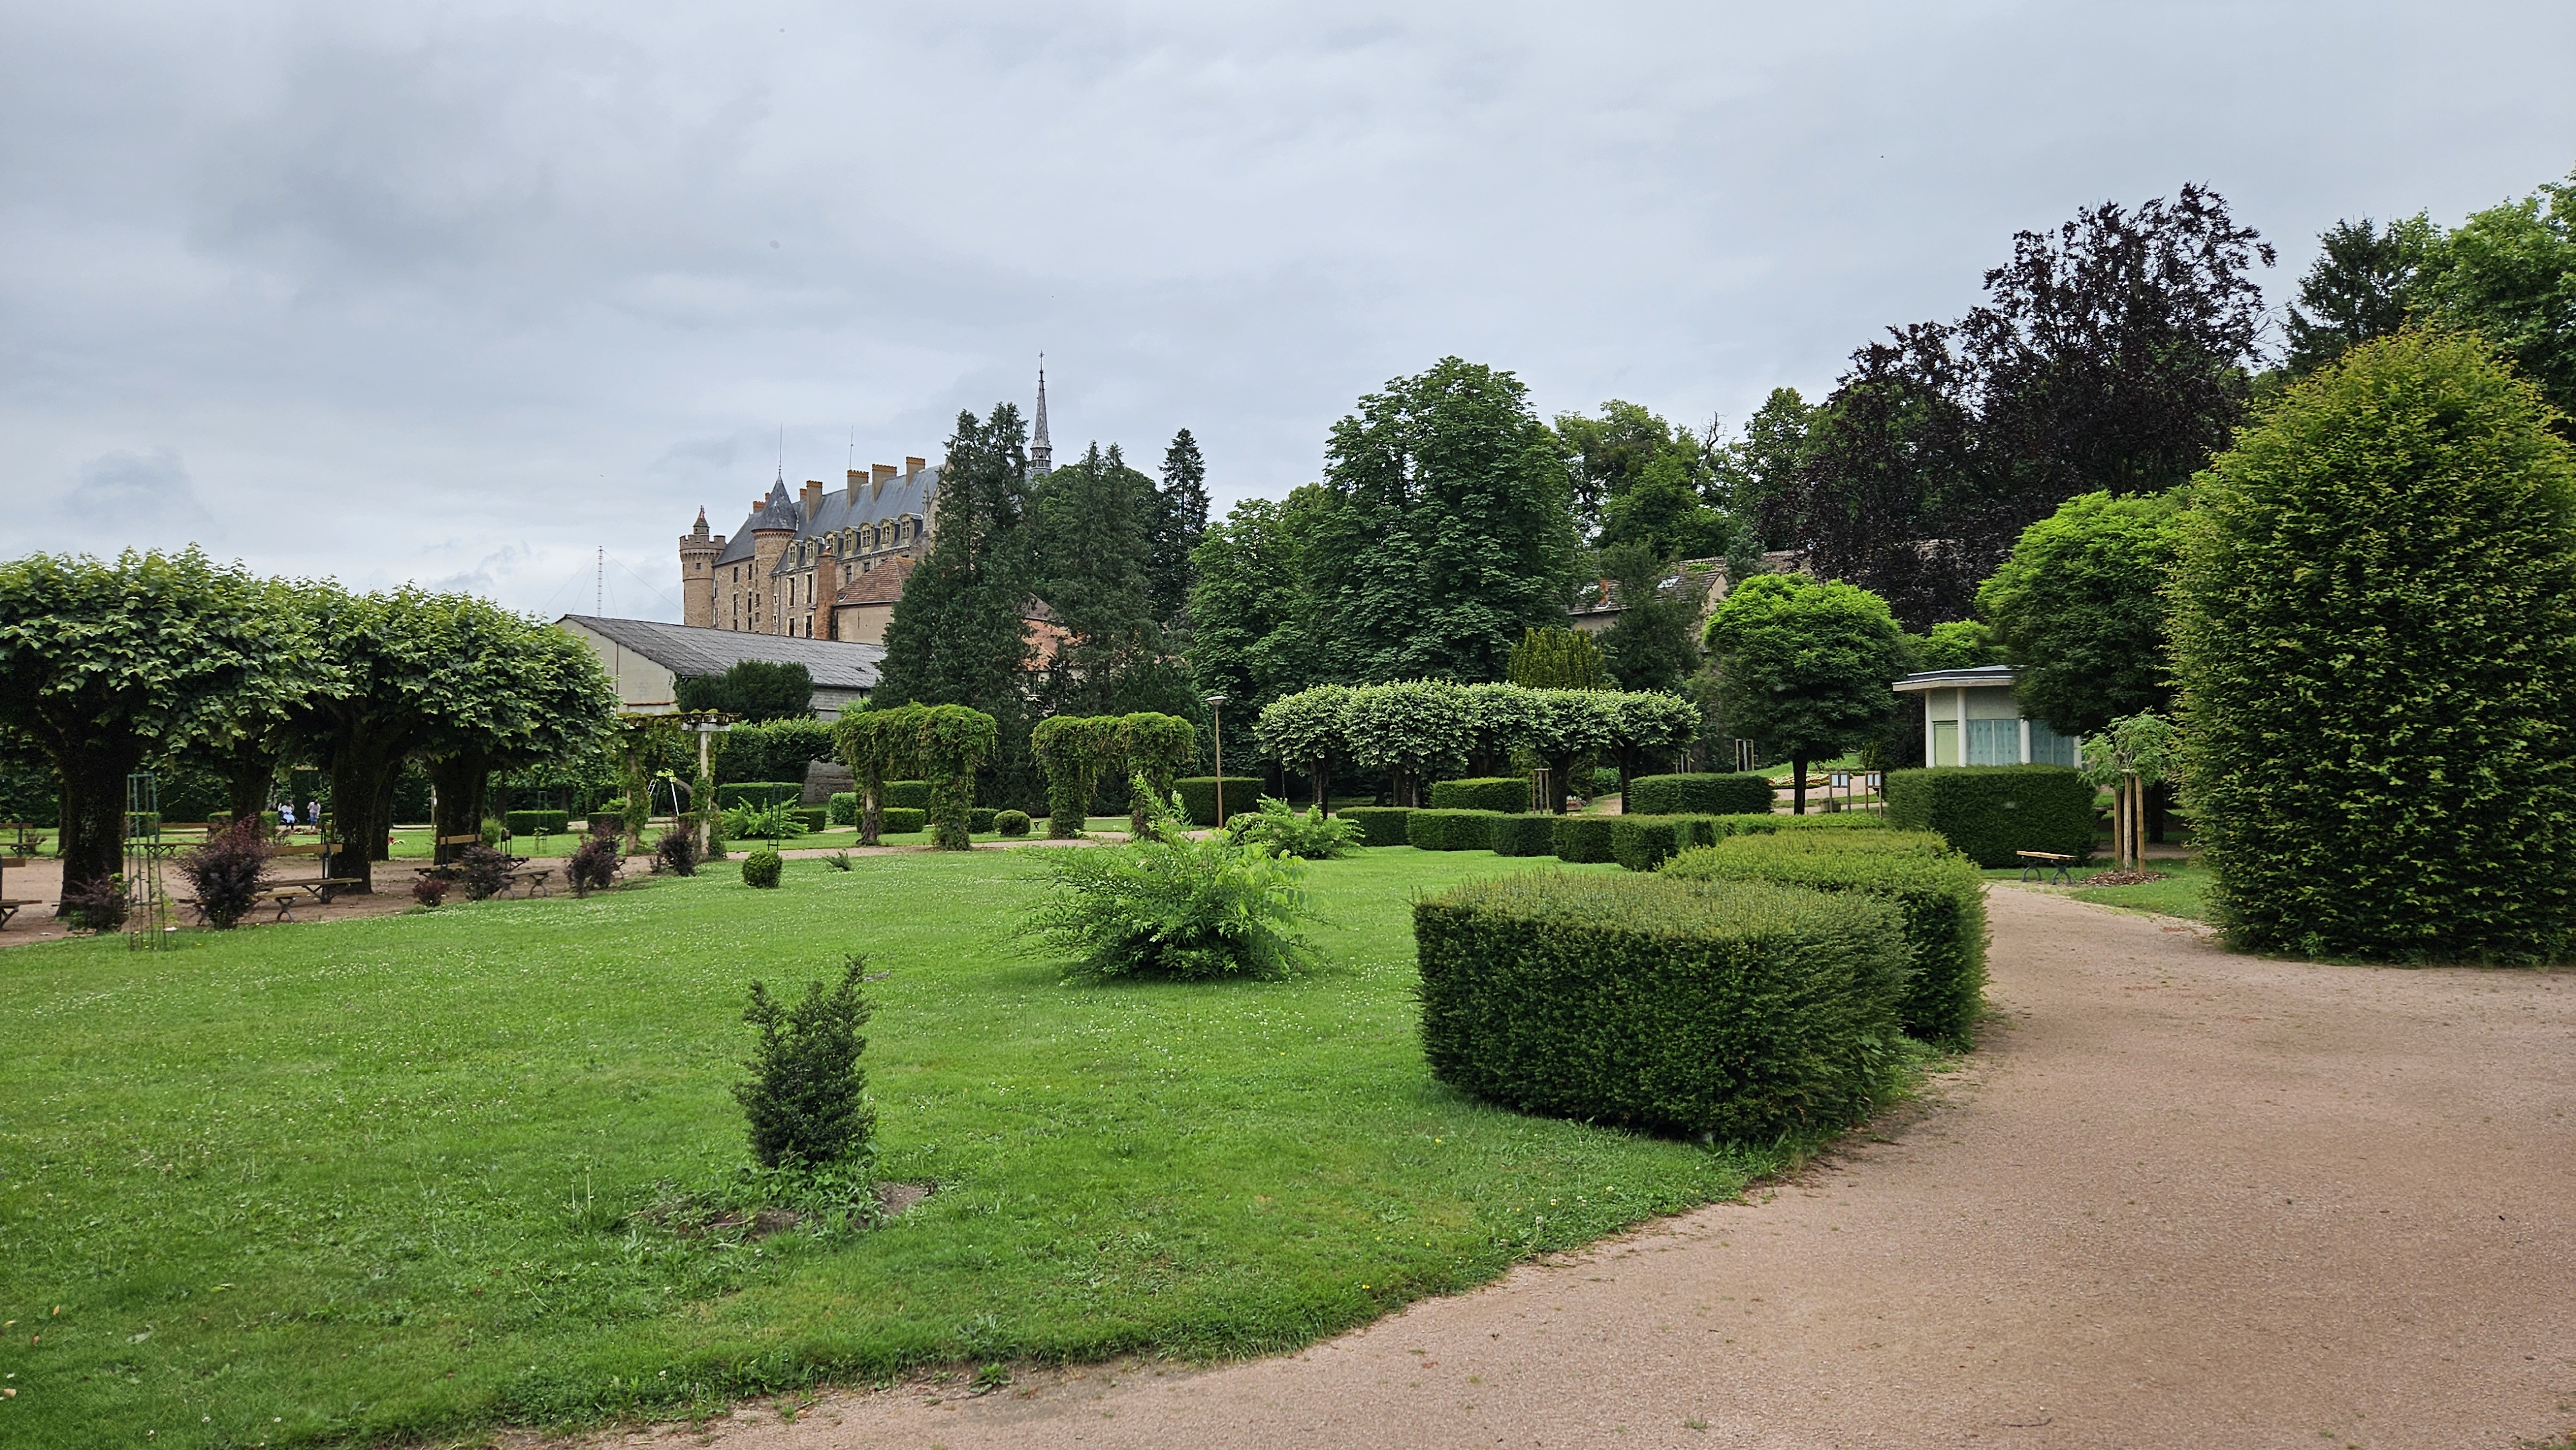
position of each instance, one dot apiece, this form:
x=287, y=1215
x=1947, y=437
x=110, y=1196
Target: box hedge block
x=1198, y=797
x=536, y=823
x=912, y=795
x=1700, y=795
x=1451, y=830
x=1584, y=839
x=1740, y=1010
x=1509, y=794
x=1988, y=812
x=1379, y=825
x=1532, y=834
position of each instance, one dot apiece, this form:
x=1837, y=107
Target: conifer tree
x=1178, y=520
x=1557, y=657
x=1090, y=552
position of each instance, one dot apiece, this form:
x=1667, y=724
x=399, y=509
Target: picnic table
x=2051, y=865
x=20, y=837
x=10, y=906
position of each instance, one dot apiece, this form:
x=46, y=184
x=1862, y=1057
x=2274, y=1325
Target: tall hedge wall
x=757, y=793
x=1198, y=796
x=1379, y=825
x=770, y=750
x=1439, y=830
x=1700, y=795
x=1532, y=834
x=1987, y=812
x=1742, y=1011
x=1509, y=794
x=912, y=795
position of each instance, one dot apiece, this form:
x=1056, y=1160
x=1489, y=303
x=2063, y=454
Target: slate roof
x=905, y=493
x=689, y=651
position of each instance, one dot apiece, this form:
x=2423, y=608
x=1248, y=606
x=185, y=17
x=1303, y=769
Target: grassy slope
x=367, y=1179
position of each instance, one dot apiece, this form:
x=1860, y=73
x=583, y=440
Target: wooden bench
x=20, y=837
x=321, y=888
x=535, y=876
x=2049, y=864
x=281, y=897
x=10, y=906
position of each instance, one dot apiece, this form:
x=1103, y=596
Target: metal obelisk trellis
x=147, y=905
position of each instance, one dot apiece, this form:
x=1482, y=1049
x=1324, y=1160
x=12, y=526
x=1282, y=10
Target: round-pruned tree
x=1804, y=667
x=2080, y=610
x=2375, y=636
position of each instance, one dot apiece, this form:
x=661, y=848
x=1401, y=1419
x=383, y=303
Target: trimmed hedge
x=1767, y=824
x=1379, y=825
x=843, y=808
x=901, y=820
x=1508, y=794
x=1939, y=891
x=1584, y=839
x=1011, y=823
x=1198, y=797
x=757, y=793
x=912, y=795
x=761, y=869
x=1533, y=834
x=812, y=818
x=1987, y=812
x=1739, y=1010
x=606, y=820
x=1700, y=795
x=1451, y=830
x=1642, y=843
x=979, y=819
x=536, y=823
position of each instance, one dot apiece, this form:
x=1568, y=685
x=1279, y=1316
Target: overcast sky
x=461, y=293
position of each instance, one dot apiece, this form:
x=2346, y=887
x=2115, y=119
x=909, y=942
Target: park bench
x=20, y=838
x=535, y=876
x=10, y=906
x=321, y=888
x=2051, y=866
x=281, y=897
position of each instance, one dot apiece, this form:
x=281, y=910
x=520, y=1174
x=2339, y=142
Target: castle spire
x=1041, y=453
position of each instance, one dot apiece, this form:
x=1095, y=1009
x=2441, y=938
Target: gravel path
x=2180, y=1199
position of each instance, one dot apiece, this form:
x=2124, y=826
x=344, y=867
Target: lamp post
x=1216, y=718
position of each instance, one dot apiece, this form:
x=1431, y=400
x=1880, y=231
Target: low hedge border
x=1941, y=896
x=1533, y=834
x=901, y=820
x=912, y=795
x=1642, y=843
x=1198, y=797
x=1451, y=830
x=1584, y=840
x=1379, y=825
x=1700, y=795
x=1988, y=812
x=1742, y=1011
x=536, y=823
x=1508, y=794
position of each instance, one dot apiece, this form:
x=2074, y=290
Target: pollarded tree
x=1647, y=725
x=1407, y=729
x=515, y=692
x=1804, y=667
x=2080, y=610
x=2375, y=638
x=1309, y=731
x=105, y=666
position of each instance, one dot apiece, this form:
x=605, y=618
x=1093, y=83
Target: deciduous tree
x=1803, y=667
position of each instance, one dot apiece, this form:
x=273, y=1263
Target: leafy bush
x=1198, y=795
x=482, y=871
x=1509, y=794
x=838, y=861
x=2375, y=636
x=1605, y=781
x=227, y=873
x=677, y=853
x=1451, y=830
x=1533, y=834
x=911, y=795
x=1309, y=835
x=1743, y=1011
x=593, y=864
x=758, y=793
x=806, y=1099
x=1165, y=905
x=1011, y=823
x=761, y=869
x=842, y=809
x=1987, y=812
x=1583, y=839
x=430, y=889
x=536, y=823
x=812, y=818
x=1942, y=897
x=778, y=822
x=606, y=818
x=99, y=905
x=902, y=820
x=1379, y=825
x=1700, y=795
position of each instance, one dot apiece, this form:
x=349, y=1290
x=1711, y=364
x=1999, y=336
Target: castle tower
x=698, y=551
x=773, y=527
x=1041, y=453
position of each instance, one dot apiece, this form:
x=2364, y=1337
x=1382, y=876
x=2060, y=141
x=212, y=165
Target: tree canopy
x=753, y=690
x=2079, y=609
x=1639, y=480
x=1803, y=667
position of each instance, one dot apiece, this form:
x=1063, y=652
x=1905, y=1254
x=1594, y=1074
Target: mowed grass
x=2182, y=893
x=383, y=1179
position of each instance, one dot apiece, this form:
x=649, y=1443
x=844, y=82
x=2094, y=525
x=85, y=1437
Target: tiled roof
x=689, y=651
x=880, y=585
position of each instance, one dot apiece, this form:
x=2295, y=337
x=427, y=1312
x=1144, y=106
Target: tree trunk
x=1797, y=785
x=250, y=777
x=380, y=843
x=359, y=776
x=92, y=804
x=871, y=808
x=459, y=782
x=2159, y=802
x=1322, y=778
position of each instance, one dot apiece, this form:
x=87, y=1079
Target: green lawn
x=380, y=1179
x=2179, y=894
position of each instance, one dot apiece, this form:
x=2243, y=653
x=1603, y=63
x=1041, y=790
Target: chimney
x=883, y=471
x=912, y=467
x=811, y=496
x=857, y=477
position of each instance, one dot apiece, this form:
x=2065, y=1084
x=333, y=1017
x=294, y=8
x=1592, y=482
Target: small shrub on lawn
x=761, y=868
x=1166, y=905
x=1700, y=795
x=227, y=872
x=838, y=861
x=482, y=871
x=842, y=809
x=806, y=1098
x=1525, y=835
x=1583, y=839
x=1988, y=812
x=1308, y=835
x=1738, y=1010
x=594, y=863
x=429, y=889
x=677, y=852
x=980, y=819
x=762, y=823
x=1011, y=823
x=1940, y=893
x=1442, y=830
x=1509, y=794
x=1379, y=825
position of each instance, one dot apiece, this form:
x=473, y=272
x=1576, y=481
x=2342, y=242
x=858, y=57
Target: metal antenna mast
x=599, y=584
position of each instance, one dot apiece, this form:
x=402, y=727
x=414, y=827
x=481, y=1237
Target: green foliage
x=842, y=809
x=1011, y=823
x=751, y=689
x=1255, y=621
x=2359, y=288
x=1526, y=835
x=1507, y=793
x=1749, y=793
x=763, y=823
x=1988, y=812
x=536, y=823
x=1804, y=667
x=1767, y=823
x=1073, y=750
x=775, y=750
x=1154, y=748
x=761, y=869
x=1176, y=526
x=1088, y=551
x=2508, y=273
x=806, y=1097
x=1307, y=731
x=1198, y=796
x=877, y=743
x=2080, y=609
x=2375, y=638
x=227, y=873
x=677, y=853
x=954, y=740
x=1557, y=657
x=956, y=635
x=1941, y=896
x=1756, y=473
x=1653, y=643
x=2143, y=745
x=1408, y=730
x=1639, y=479
x=1308, y=835
x=903, y=820
x=1165, y=905
x=1642, y=843
x=1380, y=825
x=913, y=795
x=757, y=793
x=1737, y=1011
x=593, y=865
x=1957, y=644
x=1584, y=839
x=1451, y=830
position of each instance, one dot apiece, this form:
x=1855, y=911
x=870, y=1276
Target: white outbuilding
x=1971, y=718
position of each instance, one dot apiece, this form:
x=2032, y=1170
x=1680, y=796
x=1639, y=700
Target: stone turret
x=698, y=551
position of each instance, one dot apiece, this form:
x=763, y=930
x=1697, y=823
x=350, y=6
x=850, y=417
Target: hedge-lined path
x=2181, y=1198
